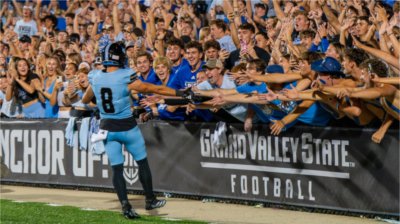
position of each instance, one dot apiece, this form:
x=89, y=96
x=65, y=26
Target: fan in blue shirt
x=180, y=66
x=194, y=53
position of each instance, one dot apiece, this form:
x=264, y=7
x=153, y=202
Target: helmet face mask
x=114, y=55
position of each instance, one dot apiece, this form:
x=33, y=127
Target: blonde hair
x=204, y=32
x=83, y=70
x=75, y=57
x=162, y=61
x=58, y=69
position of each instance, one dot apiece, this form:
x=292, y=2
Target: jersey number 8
x=106, y=100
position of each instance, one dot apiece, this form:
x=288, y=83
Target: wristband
x=176, y=102
x=179, y=93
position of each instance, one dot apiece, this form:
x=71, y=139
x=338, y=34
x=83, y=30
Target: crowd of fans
x=277, y=62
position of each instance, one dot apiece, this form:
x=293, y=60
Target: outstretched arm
x=144, y=87
x=17, y=8
x=237, y=98
x=115, y=19
x=278, y=11
x=333, y=20
x=392, y=60
x=373, y=93
x=270, y=78
x=294, y=94
x=388, y=80
x=278, y=126
x=37, y=11
x=215, y=92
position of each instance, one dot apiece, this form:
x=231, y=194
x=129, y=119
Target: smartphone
x=139, y=42
x=243, y=46
x=72, y=83
x=97, y=60
x=73, y=39
x=59, y=79
x=2, y=72
x=91, y=8
x=51, y=34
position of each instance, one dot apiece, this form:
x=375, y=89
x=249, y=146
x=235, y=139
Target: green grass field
x=39, y=213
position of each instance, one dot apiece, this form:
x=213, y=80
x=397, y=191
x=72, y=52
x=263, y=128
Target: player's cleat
x=131, y=214
x=128, y=211
x=155, y=203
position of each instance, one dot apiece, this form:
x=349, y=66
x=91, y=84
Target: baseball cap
x=213, y=63
x=107, y=27
x=28, y=7
x=129, y=45
x=328, y=66
x=25, y=39
x=84, y=64
x=260, y=5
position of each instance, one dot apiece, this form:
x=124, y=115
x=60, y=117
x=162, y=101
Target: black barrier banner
x=333, y=168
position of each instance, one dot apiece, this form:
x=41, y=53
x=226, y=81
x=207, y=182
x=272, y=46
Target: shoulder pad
x=133, y=77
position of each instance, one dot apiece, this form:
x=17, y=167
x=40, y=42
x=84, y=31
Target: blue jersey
x=151, y=78
x=252, y=87
x=286, y=106
x=178, y=115
x=263, y=111
x=315, y=116
x=187, y=79
x=112, y=93
x=178, y=72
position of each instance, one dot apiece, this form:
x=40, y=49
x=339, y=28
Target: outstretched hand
x=218, y=100
x=150, y=100
x=269, y=96
x=277, y=127
x=343, y=92
x=317, y=84
x=292, y=93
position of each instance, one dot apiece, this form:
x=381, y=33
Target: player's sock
x=119, y=182
x=145, y=178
